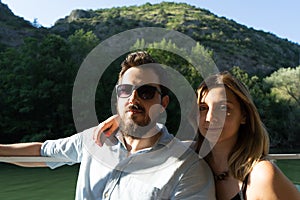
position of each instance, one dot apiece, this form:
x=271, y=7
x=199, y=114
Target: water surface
x=18, y=183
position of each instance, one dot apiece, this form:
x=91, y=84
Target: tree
x=285, y=84
x=285, y=89
x=36, y=87
x=278, y=114
x=36, y=24
x=82, y=43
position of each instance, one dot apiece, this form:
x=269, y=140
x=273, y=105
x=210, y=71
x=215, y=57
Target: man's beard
x=129, y=127
x=138, y=129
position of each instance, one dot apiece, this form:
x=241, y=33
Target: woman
x=231, y=127
x=238, y=158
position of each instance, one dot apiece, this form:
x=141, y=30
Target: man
x=142, y=160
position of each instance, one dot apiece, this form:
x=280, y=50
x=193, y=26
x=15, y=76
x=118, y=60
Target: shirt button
x=106, y=195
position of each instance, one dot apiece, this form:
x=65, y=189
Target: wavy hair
x=253, y=141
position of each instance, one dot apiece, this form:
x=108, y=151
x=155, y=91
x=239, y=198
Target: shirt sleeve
x=66, y=149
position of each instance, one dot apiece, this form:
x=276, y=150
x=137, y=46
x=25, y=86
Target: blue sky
x=280, y=17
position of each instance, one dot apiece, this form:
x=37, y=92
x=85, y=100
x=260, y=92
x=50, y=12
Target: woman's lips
x=213, y=129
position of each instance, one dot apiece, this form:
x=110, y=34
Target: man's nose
x=134, y=96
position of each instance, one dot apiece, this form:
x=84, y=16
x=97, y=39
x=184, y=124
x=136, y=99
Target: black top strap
x=241, y=195
x=244, y=186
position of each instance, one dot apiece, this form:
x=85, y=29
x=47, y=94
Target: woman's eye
x=203, y=108
x=223, y=108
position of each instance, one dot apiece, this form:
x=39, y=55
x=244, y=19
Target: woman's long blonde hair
x=253, y=142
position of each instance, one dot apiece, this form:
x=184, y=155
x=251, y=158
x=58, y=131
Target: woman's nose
x=210, y=116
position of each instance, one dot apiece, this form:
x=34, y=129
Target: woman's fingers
x=105, y=129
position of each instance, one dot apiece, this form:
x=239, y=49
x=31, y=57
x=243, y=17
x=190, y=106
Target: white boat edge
x=12, y=159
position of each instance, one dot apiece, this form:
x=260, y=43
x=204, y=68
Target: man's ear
x=165, y=101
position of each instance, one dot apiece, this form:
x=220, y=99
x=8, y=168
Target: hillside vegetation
x=14, y=29
x=233, y=44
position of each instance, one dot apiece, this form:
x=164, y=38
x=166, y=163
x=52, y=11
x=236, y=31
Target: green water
x=18, y=183
x=291, y=169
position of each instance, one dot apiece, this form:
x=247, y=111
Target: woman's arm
x=107, y=127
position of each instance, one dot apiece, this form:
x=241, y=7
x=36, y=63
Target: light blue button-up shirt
x=168, y=170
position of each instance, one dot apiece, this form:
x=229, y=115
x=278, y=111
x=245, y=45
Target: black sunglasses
x=144, y=91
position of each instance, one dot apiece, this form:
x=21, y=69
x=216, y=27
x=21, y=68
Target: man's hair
x=143, y=59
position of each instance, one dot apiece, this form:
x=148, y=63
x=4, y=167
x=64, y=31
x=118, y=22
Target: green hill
x=233, y=44
x=14, y=29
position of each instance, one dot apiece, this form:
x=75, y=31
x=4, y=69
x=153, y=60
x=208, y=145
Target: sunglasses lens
x=146, y=91
x=124, y=91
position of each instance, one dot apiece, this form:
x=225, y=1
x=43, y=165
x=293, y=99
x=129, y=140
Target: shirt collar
x=164, y=140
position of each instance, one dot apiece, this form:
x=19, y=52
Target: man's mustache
x=136, y=107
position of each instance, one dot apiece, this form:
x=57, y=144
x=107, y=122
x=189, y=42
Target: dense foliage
x=37, y=79
x=280, y=115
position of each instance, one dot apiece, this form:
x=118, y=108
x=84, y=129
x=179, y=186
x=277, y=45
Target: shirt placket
x=111, y=184
x=116, y=174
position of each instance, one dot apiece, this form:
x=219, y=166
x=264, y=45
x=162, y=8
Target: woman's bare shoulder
x=263, y=172
x=268, y=180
